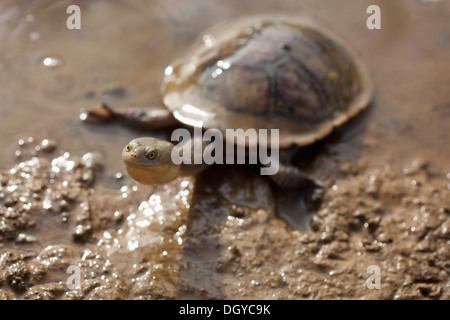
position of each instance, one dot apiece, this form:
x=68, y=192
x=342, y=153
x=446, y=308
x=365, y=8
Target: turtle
x=263, y=72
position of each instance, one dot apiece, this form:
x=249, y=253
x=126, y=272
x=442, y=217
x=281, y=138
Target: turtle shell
x=269, y=72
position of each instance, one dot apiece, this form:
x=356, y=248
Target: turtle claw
x=99, y=114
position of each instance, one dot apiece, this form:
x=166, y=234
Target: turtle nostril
x=133, y=155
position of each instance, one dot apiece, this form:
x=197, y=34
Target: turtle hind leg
x=136, y=118
x=99, y=114
x=289, y=177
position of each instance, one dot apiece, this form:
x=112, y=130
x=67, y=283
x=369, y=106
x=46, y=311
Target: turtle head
x=148, y=161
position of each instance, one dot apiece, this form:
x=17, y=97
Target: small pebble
x=48, y=145
x=25, y=238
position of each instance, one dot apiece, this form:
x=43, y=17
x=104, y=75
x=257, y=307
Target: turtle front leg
x=136, y=118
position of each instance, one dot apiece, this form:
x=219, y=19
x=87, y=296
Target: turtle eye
x=128, y=148
x=151, y=154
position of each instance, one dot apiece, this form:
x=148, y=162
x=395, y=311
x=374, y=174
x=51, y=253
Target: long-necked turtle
x=265, y=72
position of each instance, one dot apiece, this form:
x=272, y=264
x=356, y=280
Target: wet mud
x=67, y=206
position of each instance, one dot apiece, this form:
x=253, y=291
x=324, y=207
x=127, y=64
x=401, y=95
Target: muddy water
x=387, y=171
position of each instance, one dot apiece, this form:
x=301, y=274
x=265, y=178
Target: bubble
x=83, y=116
x=46, y=204
x=51, y=62
x=249, y=31
x=168, y=71
x=34, y=36
x=209, y=40
x=48, y=145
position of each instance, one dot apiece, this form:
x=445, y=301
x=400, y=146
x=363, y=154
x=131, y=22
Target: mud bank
x=215, y=238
